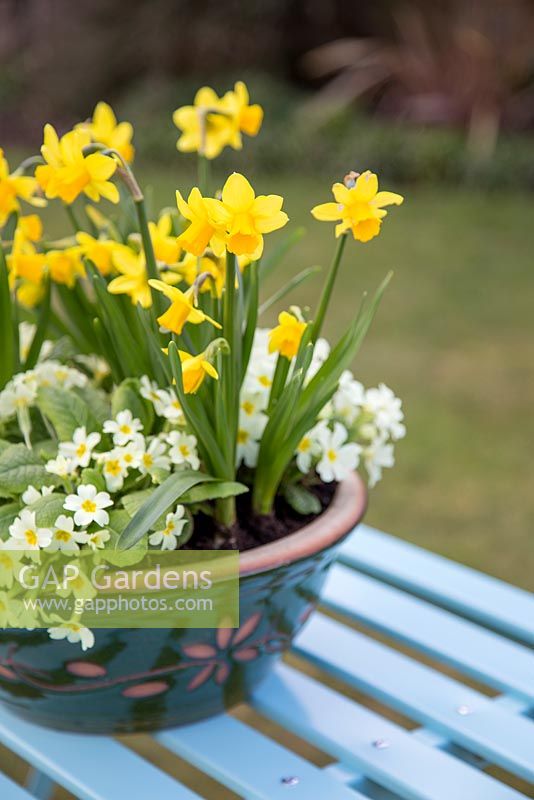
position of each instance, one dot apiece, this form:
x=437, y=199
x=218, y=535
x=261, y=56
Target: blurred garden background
x=438, y=98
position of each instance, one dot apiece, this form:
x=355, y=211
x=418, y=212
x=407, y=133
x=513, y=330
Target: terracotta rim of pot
x=344, y=512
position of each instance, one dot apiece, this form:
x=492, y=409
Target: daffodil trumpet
x=181, y=309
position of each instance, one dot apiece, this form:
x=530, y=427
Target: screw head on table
x=381, y=744
x=290, y=780
x=463, y=710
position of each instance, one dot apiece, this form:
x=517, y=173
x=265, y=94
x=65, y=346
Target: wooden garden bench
x=461, y=629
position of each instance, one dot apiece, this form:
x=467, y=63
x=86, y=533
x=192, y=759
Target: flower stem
x=150, y=258
x=328, y=287
x=203, y=174
x=72, y=217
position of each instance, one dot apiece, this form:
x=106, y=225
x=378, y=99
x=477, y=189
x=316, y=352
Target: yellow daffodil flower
x=30, y=294
x=246, y=217
x=191, y=267
x=181, y=309
x=65, y=266
x=202, y=231
x=194, y=370
x=133, y=278
x=31, y=227
x=68, y=172
x=99, y=251
x=360, y=207
x=213, y=123
x=103, y=128
x=246, y=118
x=166, y=247
x=285, y=337
x=14, y=188
x=24, y=261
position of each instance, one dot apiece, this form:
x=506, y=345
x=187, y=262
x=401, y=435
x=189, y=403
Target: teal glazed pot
x=138, y=680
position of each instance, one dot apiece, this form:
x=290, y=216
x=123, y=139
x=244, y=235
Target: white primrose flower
x=73, y=633
x=98, y=366
x=387, y=411
x=114, y=469
x=171, y=408
x=64, y=537
x=249, y=433
x=124, y=427
x=150, y=391
x=64, y=467
x=154, y=457
x=17, y=398
x=349, y=398
x=81, y=448
x=88, y=505
x=376, y=456
x=25, y=535
x=53, y=373
x=183, y=449
x=174, y=525
x=251, y=403
x=338, y=459
x=32, y=495
x=307, y=449
x=132, y=452
x=98, y=539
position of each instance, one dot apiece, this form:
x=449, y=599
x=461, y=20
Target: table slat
x=250, y=763
x=480, y=597
x=351, y=732
x=423, y=694
x=91, y=767
x=486, y=656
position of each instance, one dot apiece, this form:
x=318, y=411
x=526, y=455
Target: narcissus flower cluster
x=150, y=358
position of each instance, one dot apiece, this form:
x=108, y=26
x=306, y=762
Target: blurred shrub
x=465, y=64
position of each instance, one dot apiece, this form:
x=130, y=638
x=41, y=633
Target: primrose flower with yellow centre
x=285, y=337
x=105, y=129
x=359, y=206
x=202, y=230
x=213, y=123
x=24, y=261
x=245, y=217
x=14, y=188
x=166, y=247
x=98, y=251
x=191, y=267
x=194, y=371
x=65, y=266
x=133, y=278
x=68, y=171
x=181, y=309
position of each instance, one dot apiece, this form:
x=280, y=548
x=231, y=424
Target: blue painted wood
x=423, y=694
x=476, y=596
x=480, y=653
x=11, y=791
x=91, y=767
x=251, y=764
x=370, y=744
x=40, y=785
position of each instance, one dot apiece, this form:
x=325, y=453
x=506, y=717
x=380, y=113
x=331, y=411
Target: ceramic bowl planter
x=134, y=680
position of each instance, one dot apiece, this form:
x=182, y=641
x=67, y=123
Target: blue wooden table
x=433, y=674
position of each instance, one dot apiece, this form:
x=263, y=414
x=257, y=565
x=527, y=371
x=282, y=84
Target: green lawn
x=454, y=338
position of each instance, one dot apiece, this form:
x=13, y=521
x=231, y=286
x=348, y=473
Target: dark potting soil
x=253, y=530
